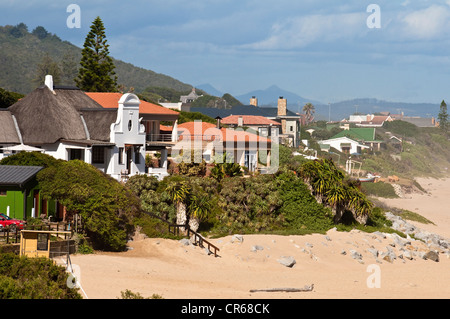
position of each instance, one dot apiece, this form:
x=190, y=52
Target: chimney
x=282, y=104
x=218, y=118
x=49, y=82
x=240, y=121
x=254, y=101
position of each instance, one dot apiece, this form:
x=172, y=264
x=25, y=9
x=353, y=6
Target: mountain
x=269, y=97
x=209, y=89
x=340, y=110
x=22, y=51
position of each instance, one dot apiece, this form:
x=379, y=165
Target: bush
x=106, y=207
x=33, y=278
x=379, y=189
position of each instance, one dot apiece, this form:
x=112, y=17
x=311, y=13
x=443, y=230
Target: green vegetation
x=193, y=116
x=379, y=189
x=106, y=207
x=96, y=73
x=293, y=201
x=22, y=51
x=8, y=98
x=443, y=117
x=33, y=278
x=128, y=294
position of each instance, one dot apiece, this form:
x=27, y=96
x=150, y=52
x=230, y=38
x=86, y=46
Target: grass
x=409, y=215
x=379, y=189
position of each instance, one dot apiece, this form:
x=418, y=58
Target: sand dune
x=177, y=271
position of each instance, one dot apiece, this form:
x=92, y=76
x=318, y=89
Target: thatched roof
x=98, y=122
x=46, y=116
x=8, y=132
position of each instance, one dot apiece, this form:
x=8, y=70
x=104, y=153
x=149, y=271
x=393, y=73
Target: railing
x=159, y=137
x=198, y=239
x=10, y=234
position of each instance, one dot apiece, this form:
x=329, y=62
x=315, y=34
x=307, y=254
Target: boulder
x=256, y=248
x=237, y=238
x=287, y=261
x=431, y=255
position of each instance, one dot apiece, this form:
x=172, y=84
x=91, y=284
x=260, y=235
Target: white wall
x=127, y=130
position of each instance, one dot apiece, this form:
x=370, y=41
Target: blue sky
x=319, y=49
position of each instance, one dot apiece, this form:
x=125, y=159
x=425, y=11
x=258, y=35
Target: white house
x=67, y=124
x=344, y=145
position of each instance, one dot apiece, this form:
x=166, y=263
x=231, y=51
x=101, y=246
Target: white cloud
x=426, y=24
x=301, y=31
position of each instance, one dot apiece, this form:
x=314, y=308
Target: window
x=120, y=155
x=75, y=154
x=291, y=128
x=42, y=242
x=130, y=125
x=98, y=155
x=137, y=155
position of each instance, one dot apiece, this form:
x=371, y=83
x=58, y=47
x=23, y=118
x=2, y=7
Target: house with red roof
x=242, y=146
x=159, y=138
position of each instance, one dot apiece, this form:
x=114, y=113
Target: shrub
x=379, y=189
x=33, y=278
x=106, y=207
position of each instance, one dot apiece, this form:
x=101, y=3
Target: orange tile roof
x=210, y=132
x=111, y=100
x=249, y=120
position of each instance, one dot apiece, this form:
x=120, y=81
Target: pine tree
x=96, y=72
x=443, y=117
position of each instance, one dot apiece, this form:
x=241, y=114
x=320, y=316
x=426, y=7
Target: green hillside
x=22, y=52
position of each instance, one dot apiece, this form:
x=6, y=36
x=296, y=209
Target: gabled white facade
x=128, y=136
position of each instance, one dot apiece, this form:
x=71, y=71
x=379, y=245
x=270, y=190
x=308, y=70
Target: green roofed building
x=19, y=193
x=364, y=135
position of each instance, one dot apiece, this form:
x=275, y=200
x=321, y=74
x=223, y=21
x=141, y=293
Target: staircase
x=197, y=238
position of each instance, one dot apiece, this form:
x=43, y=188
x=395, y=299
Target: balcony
x=167, y=138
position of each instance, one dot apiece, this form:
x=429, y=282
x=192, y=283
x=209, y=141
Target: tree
x=443, y=117
x=106, y=207
x=8, y=98
x=96, y=72
x=193, y=204
x=69, y=68
x=40, y=32
x=47, y=67
x=309, y=111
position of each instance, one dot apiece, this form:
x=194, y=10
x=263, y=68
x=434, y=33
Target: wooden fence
x=198, y=239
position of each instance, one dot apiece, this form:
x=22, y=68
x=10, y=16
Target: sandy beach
x=177, y=271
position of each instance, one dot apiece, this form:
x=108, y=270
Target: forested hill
x=26, y=55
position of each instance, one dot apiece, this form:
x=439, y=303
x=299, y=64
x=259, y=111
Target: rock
x=256, y=248
x=373, y=251
x=355, y=255
x=343, y=252
x=389, y=255
x=379, y=234
x=309, y=245
x=327, y=238
x=431, y=255
x=287, y=261
x=185, y=242
x=237, y=238
x=408, y=255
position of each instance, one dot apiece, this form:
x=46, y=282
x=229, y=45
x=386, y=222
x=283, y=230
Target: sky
x=324, y=50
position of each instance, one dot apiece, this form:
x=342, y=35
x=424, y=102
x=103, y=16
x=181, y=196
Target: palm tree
x=199, y=208
x=179, y=192
x=192, y=206
x=309, y=111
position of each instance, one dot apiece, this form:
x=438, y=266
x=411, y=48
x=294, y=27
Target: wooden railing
x=198, y=239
